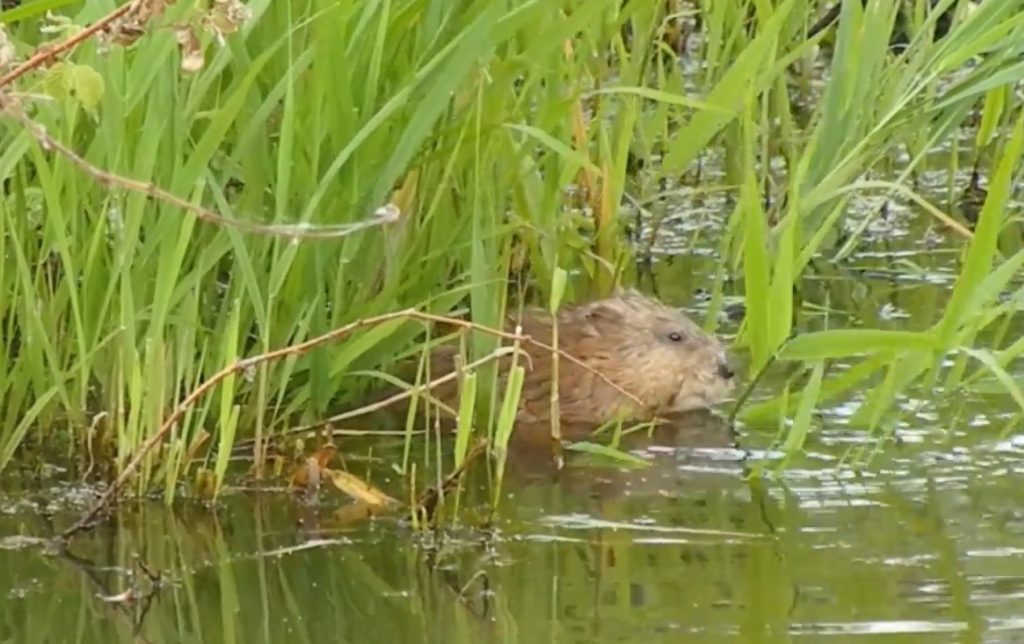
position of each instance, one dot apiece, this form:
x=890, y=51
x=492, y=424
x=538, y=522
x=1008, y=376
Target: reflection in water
x=693, y=453
x=688, y=547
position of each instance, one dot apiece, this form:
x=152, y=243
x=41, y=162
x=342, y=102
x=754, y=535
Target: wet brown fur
x=652, y=351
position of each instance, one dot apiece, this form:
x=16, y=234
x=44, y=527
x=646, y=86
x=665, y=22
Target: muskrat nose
x=725, y=371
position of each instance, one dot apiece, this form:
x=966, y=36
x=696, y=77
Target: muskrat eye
x=675, y=337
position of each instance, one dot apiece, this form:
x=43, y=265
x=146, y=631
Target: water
x=925, y=544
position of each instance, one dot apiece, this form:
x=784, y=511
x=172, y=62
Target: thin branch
x=381, y=404
x=46, y=54
x=384, y=215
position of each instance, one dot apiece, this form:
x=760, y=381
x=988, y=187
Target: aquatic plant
x=187, y=187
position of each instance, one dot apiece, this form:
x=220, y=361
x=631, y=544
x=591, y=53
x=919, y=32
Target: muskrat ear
x=629, y=293
x=604, y=311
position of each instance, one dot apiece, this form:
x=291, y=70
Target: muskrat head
x=656, y=353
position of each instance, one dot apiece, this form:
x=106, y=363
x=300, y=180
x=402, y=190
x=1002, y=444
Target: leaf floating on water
x=359, y=489
x=356, y=512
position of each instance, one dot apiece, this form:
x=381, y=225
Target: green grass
x=464, y=112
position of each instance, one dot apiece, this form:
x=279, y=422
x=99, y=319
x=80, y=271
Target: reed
x=504, y=135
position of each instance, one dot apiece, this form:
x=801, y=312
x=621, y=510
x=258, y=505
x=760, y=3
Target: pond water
x=925, y=542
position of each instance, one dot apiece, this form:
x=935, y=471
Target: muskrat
x=656, y=353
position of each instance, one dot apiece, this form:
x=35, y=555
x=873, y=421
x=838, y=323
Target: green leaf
x=88, y=87
x=843, y=343
x=797, y=434
x=983, y=247
x=744, y=78
x=56, y=81
x=756, y=275
x=467, y=405
x=597, y=449
x=13, y=439
x=558, y=282
x=556, y=146
x=32, y=9
x=1005, y=379
x=662, y=97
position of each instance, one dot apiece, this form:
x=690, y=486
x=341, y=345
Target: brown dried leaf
x=309, y=475
x=132, y=26
x=149, y=9
x=228, y=16
x=125, y=34
x=324, y=455
x=359, y=489
x=306, y=476
x=355, y=512
x=192, y=59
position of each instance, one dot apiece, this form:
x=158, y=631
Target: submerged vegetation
x=191, y=185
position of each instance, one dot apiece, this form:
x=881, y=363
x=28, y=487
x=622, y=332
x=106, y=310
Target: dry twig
x=45, y=55
x=369, y=408
x=384, y=215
